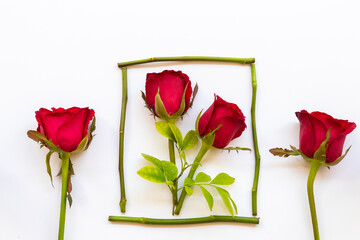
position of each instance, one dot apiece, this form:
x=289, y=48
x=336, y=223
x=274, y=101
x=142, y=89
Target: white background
x=64, y=54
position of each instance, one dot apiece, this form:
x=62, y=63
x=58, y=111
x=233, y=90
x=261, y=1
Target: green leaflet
x=189, y=190
x=208, y=197
x=164, y=129
x=152, y=174
x=170, y=170
x=153, y=160
x=190, y=140
x=188, y=182
x=225, y=196
x=177, y=133
x=202, y=177
x=223, y=179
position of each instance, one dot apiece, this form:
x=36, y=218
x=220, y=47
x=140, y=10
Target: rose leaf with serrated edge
x=152, y=174
x=223, y=179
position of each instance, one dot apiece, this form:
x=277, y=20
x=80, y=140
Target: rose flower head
x=225, y=118
x=65, y=130
x=168, y=93
x=313, y=132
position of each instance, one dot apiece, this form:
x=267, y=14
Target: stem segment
x=121, y=140
x=310, y=189
x=172, y=159
x=65, y=157
x=255, y=141
x=204, y=148
x=188, y=58
x=209, y=219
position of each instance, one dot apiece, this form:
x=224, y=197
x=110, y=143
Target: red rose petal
x=70, y=134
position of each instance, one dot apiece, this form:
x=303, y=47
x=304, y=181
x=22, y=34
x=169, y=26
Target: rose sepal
x=319, y=155
x=161, y=112
x=85, y=142
x=40, y=138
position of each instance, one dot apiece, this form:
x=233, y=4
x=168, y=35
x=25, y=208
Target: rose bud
x=313, y=129
x=174, y=89
x=226, y=117
x=64, y=129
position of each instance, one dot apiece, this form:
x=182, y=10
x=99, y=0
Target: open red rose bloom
x=226, y=114
x=171, y=86
x=313, y=129
x=64, y=127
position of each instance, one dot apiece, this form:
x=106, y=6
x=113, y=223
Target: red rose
x=171, y=86
x=226, y=114
x=66, y=128
x=313, y=129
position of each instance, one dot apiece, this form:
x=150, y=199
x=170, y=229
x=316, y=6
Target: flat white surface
x=64, y=53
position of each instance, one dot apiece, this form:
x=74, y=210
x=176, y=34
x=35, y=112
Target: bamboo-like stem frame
x=187, y=58
x=209, y=219
x=121, y=140
x=250, y=61
x=255, y=142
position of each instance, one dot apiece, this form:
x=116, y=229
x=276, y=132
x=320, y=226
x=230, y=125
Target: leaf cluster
x=202, y=180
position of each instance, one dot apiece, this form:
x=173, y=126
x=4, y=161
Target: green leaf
x=189, y=190
x=223, y=179
x=48, y=168
x=208, y=197
x=188, y=182
x=283, y=152
x=170, y=170
x=153, y=160
x=38, y=137
x=233, y=203
x=160, y=108
x=152, y=174
x=202, y=177
x=225, y=198
x=164, y=129
x=190, y=140
x=177, y=133
x=320, y=153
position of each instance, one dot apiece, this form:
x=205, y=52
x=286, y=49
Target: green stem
x=121, y=140
x=255, y=141
x=172, y=159
x=209, y=219
x=188, y=58
x=65, y=157
x=310, y=189
x=204, y=148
